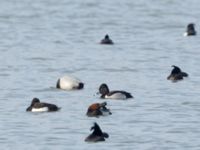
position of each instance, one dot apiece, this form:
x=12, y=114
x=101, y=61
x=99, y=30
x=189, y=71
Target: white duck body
x=69, y=83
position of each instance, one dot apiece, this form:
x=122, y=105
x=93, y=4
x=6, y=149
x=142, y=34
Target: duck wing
x=184, y=74
x=94, y=138
x=94, y=113
x=51, y=107
x=127, y=94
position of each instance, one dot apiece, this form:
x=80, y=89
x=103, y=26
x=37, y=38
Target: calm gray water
x=42, y=40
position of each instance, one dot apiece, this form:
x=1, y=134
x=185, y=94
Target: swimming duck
x=98, y=109
x=37, y=106
x=190, y=30
x=69, y=83
x=97, y=135
x=176, y=74
x=105, y=93
x=106, y=40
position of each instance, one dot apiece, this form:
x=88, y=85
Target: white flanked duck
x=37, y=106
x=107, y=94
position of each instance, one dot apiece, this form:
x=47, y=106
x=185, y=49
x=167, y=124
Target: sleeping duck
x=69, y=83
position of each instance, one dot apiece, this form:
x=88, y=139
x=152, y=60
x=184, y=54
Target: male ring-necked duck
x=97, y=135
x=176, y=74
x=106, y=40
x=37, y=106
x=190, y=30
x=105, y=93
x=98, y=109
x=69, y=83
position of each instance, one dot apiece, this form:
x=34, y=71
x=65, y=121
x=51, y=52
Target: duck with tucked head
x=105, y=93
x=97, y=135
x=176, y=74
x=37, y=106
x=98, y=109
x=69, y=83
x=190, y=30
x=106, y=40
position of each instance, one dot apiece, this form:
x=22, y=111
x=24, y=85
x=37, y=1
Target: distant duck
x=97, y=135
x=69, y=83
x=190, y=30
x=98, y=109
x=37, y=106
x=176, y=74
x=106, y=40
x=105, y=93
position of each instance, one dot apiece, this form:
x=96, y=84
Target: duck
x=106, y=40
x=176, y=74
x=37, y=106
x=97, y=135
x=98, y=109
x=69, y=83
x=106, y=94
x=190, y=31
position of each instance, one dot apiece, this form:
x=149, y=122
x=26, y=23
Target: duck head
x=103, y=89
x=104, y=109
x=35, y=100
x=107, y=37
x=191, y=29
x=97, y=131
x=175, y=70
x=190, y=26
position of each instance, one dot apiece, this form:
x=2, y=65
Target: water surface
x=43, y=40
